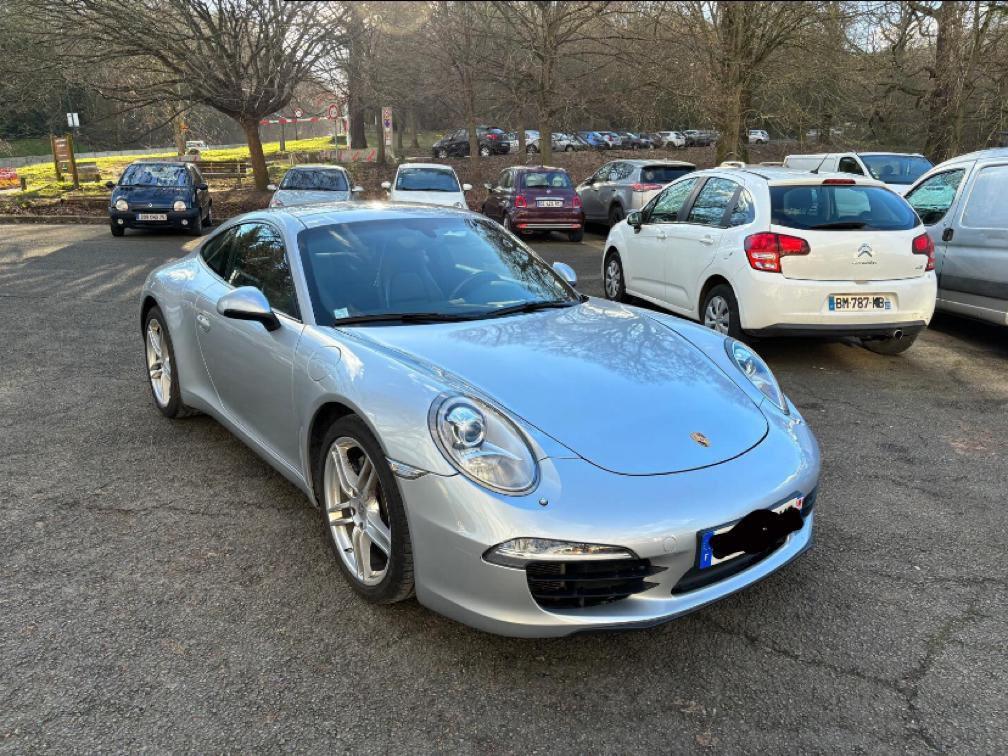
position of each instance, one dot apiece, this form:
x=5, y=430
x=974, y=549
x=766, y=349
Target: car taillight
x=495, y=137
x=520, y=201
x=576, y=201
x=923, y=245
x=766, y=250
x=645, y=187
x=839, y=182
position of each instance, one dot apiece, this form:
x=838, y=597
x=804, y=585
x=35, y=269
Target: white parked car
x=897, y=169
x=427, y=183
x=673, y=139
x=195, y=144
x=758, y=136
x=769, y=251
x=312, y=184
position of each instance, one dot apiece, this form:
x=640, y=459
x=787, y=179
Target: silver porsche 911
x=520, y=457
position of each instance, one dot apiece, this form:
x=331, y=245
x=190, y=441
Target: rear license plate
x=848, y=302
x=549, y=203
x=152, y=216
x=705, y=553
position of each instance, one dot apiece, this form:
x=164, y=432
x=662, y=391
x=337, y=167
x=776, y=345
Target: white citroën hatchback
x=774, y=252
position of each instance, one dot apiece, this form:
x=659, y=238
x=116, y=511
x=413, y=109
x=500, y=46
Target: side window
x=620, y=172
x=745, y=210
x=604, y=172
x=850, y=165
x=986, y=206
x=933, y=198
x=216, y=253
x=260, y=260
x=504, y=180
x=666, y=206
x=712, y=202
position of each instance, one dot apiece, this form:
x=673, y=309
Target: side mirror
x=635, y=219
x=271, y=187
x=386, y=185
x=110, y=185
x=466, y=187
x=248, y=303
x=358, y=189
x=566, y=272
x=202, y=187
x=488, y=187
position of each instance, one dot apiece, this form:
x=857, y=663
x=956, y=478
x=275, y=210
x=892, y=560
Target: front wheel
x=208, y=221
x=197, y=227
x=363, y=513
x=615, y=283
x=568, y=148
x=721, y=313
x=890, y=346
x=484, y=151
x=162, y=370
x=442, y=154
x=116, y=229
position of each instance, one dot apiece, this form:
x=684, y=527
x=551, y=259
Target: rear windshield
x=315, y=180
x=896, y=169
x=840, y=208
x=154, y=174
x=426, y=180
x=547, y=180
x=663, y=174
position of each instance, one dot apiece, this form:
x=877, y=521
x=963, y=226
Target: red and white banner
x=8, y=178
x=307, y=119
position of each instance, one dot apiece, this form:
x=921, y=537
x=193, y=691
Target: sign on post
x=63, y=152
x=298, y=112
x=8, y=178
x=73, y=120
x=386, y=118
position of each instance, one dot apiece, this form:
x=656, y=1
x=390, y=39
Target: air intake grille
x=571, y=584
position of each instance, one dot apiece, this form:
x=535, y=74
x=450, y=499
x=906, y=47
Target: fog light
x=185, y=222
x=518, y=552
x=120, y=221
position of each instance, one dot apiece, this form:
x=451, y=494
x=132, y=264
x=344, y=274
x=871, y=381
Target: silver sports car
x=523, y=458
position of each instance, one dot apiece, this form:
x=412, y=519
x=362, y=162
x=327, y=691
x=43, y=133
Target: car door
x=606, y=189
x=644, y=267
x=692, y=245
x=589, y=193
x=202, y=195
x=491, y=208
x=251, y=368
x=976, y=245
x=933, y=199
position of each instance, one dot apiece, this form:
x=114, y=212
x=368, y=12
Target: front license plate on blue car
x=779, y=521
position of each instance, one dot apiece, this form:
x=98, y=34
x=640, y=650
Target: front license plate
x=549, y=203
x=859, y=302
x=152, y=216
x=705, y=554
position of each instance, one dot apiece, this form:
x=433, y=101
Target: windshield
x=315, y=180
x=463, y=267
x=896, y=169
x=426, y=180
x=547, y=180
x=154, y=174
x=840, y=207
x=663, y=174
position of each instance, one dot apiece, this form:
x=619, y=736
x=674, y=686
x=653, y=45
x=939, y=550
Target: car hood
x=446, y=199
x=290, y=197
x=613, y=385
x=156, y=196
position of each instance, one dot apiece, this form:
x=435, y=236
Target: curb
x=69, y=220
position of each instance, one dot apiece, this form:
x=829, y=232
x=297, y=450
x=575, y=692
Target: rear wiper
x=531, y=307
x=404, y=317
x=841, y=225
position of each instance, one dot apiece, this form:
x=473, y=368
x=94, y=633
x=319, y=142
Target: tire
x=208, y=221
x=442, y=154
x=116, y=229
x=890, y=346
x=197, y=227
x=507, y=225
x=615, y=215
x=164, y=390
x=568, y=148
x=613, y=280
x=576, y=236
x=347, y=446
x=531, y=149
x=720, y=311
x=484, y=151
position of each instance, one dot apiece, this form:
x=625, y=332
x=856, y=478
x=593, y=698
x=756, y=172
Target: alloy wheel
x=358, y=514
x=613, y=278
x=717, y=315
x=158, y=363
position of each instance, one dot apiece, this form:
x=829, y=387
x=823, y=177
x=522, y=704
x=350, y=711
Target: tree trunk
x=358, y=133
x=545, y=138
x=380, y=127
x=938, y=141
x=413, y=124
x=398, y=123
x=733, y=143
x=522, y=146
x=259, y=172
x=180, y=139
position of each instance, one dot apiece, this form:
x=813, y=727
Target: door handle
x=660, y=235
x=708, y=240
x=203, y=322
x=947, y=234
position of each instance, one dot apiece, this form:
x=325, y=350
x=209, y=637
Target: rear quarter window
x=986, y=206
x=840, y=207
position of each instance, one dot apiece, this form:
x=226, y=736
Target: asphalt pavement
x=162, y=588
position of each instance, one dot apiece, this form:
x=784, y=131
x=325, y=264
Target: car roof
x=328, y=213
x=672, y=163
x=994, y=153
x=161, y=161
x=780, y=176
x=436, y=166
x=528, y=168
x=325, y=166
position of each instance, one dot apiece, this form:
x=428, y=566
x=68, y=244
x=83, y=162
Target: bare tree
x=243, y=58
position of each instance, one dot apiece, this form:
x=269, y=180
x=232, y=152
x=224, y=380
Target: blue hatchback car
x=160, y=194
x=595, y=140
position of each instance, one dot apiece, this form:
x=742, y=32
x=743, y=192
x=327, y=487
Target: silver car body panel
x=268, y=388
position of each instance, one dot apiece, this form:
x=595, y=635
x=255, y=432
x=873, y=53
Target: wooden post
x=55, y=157
x=24, y=184
x=73, y=161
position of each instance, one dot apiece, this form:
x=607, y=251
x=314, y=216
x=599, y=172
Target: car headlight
x=483, y=444
x=121, y=205
x=179, y=206
x=518, y=552
x=757, y=371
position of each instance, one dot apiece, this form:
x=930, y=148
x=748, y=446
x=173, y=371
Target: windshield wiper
x=841, y=225
x=405, y=317
x=531, y=307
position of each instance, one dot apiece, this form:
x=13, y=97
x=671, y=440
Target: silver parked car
x=432, y=386
x=621, y=186
x=962, y=203
x=307, y=184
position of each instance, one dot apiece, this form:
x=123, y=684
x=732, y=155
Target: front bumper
x=771, y=304
x=128, y=219
x=453, y=522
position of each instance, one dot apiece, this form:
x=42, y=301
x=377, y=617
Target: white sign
x=298, y=112
x=73, y=120
x=386, y=117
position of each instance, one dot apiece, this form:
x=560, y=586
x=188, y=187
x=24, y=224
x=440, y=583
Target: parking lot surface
x=163, y=588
